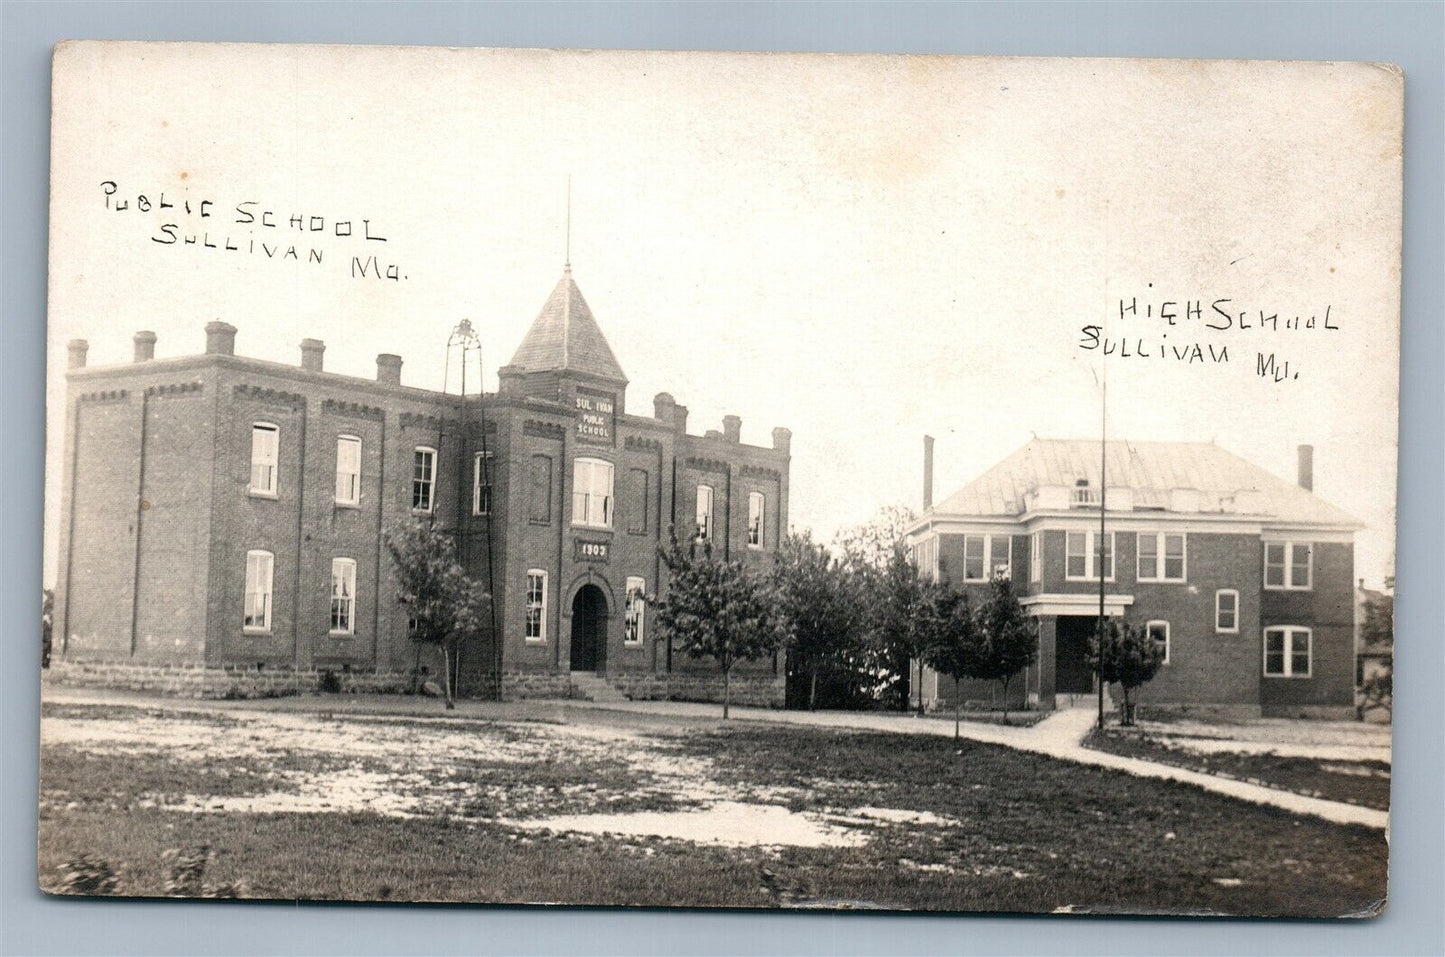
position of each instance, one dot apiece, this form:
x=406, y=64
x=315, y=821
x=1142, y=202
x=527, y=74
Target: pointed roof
x=1147, y=467
x=566, y=338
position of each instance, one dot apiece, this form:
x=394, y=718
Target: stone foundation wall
x=759, y=691
x=517, y=685
x=1208, y=712
x=230, y=681
x=1316, y=712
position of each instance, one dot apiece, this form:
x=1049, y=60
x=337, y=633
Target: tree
x=873, y=543
x=1129, y=656
x=904, y=615
x=47, y=625
x=1377, y=633
x=446, y=606
x=820, y=608
x=717, y=609
x=1010, y=641
x=957, y=650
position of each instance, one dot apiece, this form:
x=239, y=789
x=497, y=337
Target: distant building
x=1245, y=580
x=222, y=518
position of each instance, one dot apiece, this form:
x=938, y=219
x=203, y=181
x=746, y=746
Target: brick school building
x=223, y=518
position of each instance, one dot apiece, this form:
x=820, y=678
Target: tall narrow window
x=539, y=509
x=1226, y=611
x=1161, y=557
x=1000, y=559
x=265, y=443
x=423, y=479
x=535, y=626
x=1287, y=652
x=633, y=625
x=1036, y=556
x=975, y=549
x=257, y=613
x=343, y=596
x=592, y=493
x=637, y=501
x=348, y=470
x=1289, y=565
x=1158, y=632
x=482, y=483
x=704, y=512
x=757, y=506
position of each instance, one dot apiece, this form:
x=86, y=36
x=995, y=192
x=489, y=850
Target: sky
x=864, y=249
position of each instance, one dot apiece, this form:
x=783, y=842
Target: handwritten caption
x=254, y=228
x=1200, y=331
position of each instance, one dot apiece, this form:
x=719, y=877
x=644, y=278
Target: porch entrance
x=589, y=629
x=1072, y=674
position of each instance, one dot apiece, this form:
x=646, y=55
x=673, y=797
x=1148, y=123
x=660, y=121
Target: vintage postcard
x=721, y=480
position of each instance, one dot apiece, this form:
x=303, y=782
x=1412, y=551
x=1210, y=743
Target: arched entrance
x=589, y=629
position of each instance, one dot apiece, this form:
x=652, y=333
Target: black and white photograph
x=720, y=480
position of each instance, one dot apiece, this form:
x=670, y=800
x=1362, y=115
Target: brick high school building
x=223, y=518
x=1247, y=581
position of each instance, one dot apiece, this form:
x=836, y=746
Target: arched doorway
x=589, y=629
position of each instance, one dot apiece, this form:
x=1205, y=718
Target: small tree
x=957, y=650
x=717, y=609
x=445, y=604
x=1009, y=636
x=820, y=608
x=1128, y=656
x=1377, y=633
x=903, y=610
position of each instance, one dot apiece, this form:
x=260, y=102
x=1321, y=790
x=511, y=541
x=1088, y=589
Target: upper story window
x=265, y=451
x=986, y=557
x=1226, y=611
x=343, y=596
x=1287, y=652
x=423, y=479
x=592, y=493
x=925, y=556
x=535, y=626
x=704, y=512
x=757, y=507
x=633, y=625
x=1158, y=632
x=1036, y=556
x=1081, y=556
x=539, y=508
x=1288, y=565
x=1161, y=557
x=482, y=483
x=257, y=613
x=348, y=470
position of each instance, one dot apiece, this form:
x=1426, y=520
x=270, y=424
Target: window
x=1082, y=555
x=925, y=556
x=974, y=547
x=348, y=470
x=704, y=512
x=633, y=625
x=986, y=556
x=1287, y=652
x=423, y=479
x=1158, y=632
x=265, y=440
x=536, y=623
x=1226, y=611
x=1288, y=565
x=482, y=483
x=592, y=493
x=343, y=596
x=757, y=505
x=637, y=501
x=1036, y=556
x=539, y=509
x=1000, y=562
x=1161, y=557
x=257, y=615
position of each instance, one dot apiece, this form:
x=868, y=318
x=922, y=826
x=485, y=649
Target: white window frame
x=1036, y=556
x=990, y=541
x=347, y=568
x=993, y=562
x=703, y=512
x=635, y=612
x=350, y=494
x=1217, y=596
x=1161, y=557
x=258, y=459
x=591, y=507
x=430, y=482
x=1091, y=556
x=1287, y=653
x=540, y=638
x=757, y=519
x=1149, y=627
x=268, y=570
x=1288, y=567
x=490, y=456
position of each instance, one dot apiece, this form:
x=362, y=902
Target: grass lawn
x=1364, y=783
x=316, y=806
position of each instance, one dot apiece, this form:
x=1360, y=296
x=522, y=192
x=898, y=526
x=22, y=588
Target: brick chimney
x=77, y=348
x=220, y=338
x=732, y=429
x=782, y=439
x=1307, y=467
x=388, y=369
x=145, y=346
x=311, y=352
x=927, y=472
